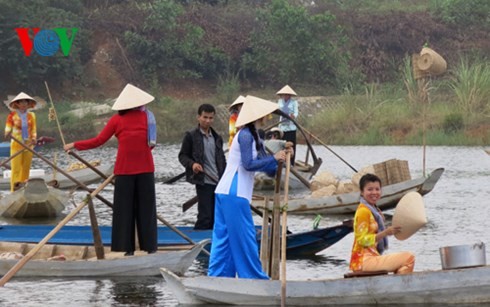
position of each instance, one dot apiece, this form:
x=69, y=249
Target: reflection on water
x=457, y=210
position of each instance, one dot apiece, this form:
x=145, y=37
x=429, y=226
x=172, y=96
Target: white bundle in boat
x=325, y=191
x=322, y=180
x=365, y=170
x=346, y=186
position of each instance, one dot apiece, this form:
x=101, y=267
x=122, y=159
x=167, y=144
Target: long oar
x=326, y=146
x=11, y=157
x=159, y=217
x=175, y=179
x=32, y=252
x=283, y=228
x=83, y=186
x=87, y=164
x=41, y=141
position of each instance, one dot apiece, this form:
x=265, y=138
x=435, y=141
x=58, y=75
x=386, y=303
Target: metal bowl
x=463, y=256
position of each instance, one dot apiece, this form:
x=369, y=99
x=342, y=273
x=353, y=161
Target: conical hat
x=237, y=101
x=254, y=108
x=277, y=129
x=131, y=97
x=409, y=215
x=287, y=90
x=21, y=96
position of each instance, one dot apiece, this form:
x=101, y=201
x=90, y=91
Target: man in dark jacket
x=204, y=160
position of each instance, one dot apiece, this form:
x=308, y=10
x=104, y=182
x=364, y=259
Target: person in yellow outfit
x=234, y=109
x=21, y=124
x=371, y=234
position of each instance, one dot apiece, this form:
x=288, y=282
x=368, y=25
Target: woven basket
x=392, y=171
x=431, y=62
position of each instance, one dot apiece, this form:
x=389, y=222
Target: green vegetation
x=356, y=52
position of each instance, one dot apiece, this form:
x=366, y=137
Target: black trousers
x=290, y=136
x=205, y=206
x=134, y=206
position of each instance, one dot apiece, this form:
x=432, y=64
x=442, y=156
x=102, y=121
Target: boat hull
x=138, y=265
x=86, y=176
x=462, y=286
x=298, y=244
x=347, y=203
x=35, y=200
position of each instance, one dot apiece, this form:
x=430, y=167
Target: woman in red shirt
x=134, y=192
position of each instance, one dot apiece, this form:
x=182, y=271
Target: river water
x=457, y=210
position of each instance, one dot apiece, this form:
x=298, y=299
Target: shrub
x=453, y=123
x=462, y=12
x=471, y=85
x=292, y=45
x=165, y=46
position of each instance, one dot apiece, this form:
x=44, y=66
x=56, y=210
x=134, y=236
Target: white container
x=33, y=173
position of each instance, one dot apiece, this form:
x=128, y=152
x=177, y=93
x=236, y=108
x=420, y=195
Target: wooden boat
x=299, y=180
x=60, y=181
x=34, y=200
x=298, y=244
x=81, y=261
x=4, y=149
x=348, y=202
x=460, y=286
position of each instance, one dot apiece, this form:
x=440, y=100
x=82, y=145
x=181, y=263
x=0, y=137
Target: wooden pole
x=329, y=149
x=99, y=247
x=32, y=252
x=96, y=170
x=275, y=229
x=11, y=157
x=264, y=238
x=55, y=115
x=284, y=228
x=83, y=186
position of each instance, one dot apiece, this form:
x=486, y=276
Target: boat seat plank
x=13, y=247
x=364, y=274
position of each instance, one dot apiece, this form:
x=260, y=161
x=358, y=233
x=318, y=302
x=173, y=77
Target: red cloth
x=133, y=153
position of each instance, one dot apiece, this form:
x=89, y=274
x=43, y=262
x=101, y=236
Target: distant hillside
x=222, y=47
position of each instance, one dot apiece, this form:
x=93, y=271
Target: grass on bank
x=384, y=114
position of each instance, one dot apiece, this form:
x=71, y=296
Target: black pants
x=134, y=205
x=205, y=206
x=290, y=136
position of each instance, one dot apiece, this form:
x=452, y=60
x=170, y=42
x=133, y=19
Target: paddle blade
x=44, y=140
x=188, y=204
x=174, y=179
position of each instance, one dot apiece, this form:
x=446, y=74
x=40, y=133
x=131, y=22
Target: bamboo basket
x=392, y=171
x=428, y=63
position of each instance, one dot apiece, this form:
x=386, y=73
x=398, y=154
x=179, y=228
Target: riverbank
x=382, y=116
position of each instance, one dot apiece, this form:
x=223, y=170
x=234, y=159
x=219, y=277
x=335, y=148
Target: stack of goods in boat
x=390, y=172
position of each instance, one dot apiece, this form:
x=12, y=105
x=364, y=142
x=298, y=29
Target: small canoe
x=60, y=181
x=460, y=286
x=298, y=244
x=34, y=200
x=347, y=203
x=81, y=261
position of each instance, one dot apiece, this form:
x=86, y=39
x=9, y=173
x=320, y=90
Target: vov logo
x=46, y=42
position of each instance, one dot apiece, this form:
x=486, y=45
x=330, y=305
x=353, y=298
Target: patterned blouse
x=14, y=126
x=231, y=127
x=365, y=230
